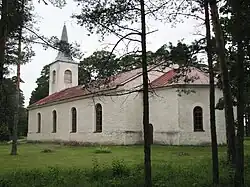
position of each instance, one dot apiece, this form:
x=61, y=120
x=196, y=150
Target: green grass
x=53, y=165
x=30, y=156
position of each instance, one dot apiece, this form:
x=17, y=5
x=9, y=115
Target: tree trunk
x=3, y=35
x=239, y=173
x=147, y=149
x=212, y=98
x=16, y=115
x=229, y=115
x=248, y=121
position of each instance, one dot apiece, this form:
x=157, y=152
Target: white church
x=110, y=111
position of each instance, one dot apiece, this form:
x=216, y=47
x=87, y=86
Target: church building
x=110, y=111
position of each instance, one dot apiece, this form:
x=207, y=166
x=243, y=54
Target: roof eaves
x=59, y=101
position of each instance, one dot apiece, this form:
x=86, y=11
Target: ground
x=31, y=155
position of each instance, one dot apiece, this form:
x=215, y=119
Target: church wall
x=164, y=116
x=186, y=105
x=122, y=118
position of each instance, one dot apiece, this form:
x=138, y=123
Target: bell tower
x=63, y=70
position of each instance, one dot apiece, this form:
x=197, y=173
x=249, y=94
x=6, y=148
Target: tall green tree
x=209, y=50
x=10, y=107
x=42, y=89
x=236, y=28
x=92, y=66
x=227, y=93
x=239, y=35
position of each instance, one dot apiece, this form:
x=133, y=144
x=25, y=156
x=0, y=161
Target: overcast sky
x=51, y=23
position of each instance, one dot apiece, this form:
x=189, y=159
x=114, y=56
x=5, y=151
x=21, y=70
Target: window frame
x=68, y=77
x=73, y=120
x=54, y=121
x=53, y=76
x=198, y=122
x=39, y=122
x=98, y=118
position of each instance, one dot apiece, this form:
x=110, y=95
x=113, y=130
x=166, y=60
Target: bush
x=47, y=150
x=4, y=133
x=119, y=168
x=102, y=150
x=120, y=175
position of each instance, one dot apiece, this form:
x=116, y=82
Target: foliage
x=99, y=65
x=163, y=175
x=231, y=50
x=119, y=168
x=10, y=107
x=47, y=150
x=42, y=88
x=4, y=132
x=102, y=150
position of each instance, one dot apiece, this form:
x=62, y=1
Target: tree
x=10, y=107
x=238, y=37
x=229, y=116
x=147, y=149
x=42, y=89
x=92, y=66
x=212, y=97
x=114, y=17
x=19, y=59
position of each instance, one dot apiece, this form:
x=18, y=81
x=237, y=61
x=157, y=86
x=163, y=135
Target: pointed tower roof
x=63, y=56
x=64, y=36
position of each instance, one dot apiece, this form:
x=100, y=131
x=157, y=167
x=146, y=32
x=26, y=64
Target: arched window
x=68, y=76
x=98, y=111
x=198, y=118
x=38, y=122
x=54, y=77
x=54, y=121
x=74, y=119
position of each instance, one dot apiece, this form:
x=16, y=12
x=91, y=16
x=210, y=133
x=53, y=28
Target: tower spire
x=64, y=36
x=64, y=56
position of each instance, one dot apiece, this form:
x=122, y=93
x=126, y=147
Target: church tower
x=63, y=70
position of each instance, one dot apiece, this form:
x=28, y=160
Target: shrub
x=102, y=150
x=183, y=154
x=47, y=150
x=120, y=175
x=119, y=168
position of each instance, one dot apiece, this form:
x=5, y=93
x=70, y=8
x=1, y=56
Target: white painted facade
x=170, y=114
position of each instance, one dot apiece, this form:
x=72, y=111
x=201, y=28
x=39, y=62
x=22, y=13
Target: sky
x=51, y=20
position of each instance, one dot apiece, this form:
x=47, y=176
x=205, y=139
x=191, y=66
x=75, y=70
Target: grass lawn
x=31, y=157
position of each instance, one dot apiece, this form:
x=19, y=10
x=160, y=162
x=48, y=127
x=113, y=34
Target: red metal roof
x=78, y=91
x=62, y=95
x=164, y=79
x=188, y=76
x=118, y=80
